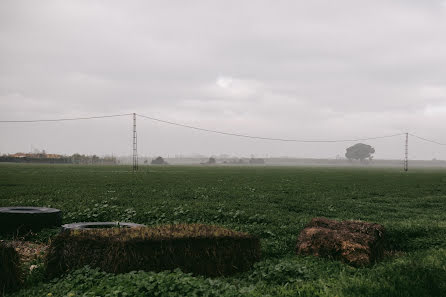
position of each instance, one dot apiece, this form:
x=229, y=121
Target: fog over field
x=318, y=70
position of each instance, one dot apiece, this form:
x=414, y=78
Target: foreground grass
x=273, y=203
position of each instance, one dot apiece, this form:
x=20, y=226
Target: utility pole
x=406, y=159
x=135, y=145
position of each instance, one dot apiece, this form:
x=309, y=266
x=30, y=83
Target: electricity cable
x=66, y=119
x=265, y=138
x=428, y=140
x=223, y=132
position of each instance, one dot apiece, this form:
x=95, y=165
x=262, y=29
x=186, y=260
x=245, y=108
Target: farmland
x=273, y=203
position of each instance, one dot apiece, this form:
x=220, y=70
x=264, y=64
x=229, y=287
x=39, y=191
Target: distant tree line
x=58, y=159
x=85, y=159
x=12, y=159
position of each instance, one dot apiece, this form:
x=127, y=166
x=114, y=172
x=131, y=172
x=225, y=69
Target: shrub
x=200, y=249
x=159, y=161
x=10, y=272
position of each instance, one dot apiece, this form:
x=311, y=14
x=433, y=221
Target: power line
x=221, y=132
x=265, y=138
x=135, y=154
x=428, y=140
x=68, y=119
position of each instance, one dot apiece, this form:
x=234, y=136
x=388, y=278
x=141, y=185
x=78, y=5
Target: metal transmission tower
x=406, y=158
x=135, y=145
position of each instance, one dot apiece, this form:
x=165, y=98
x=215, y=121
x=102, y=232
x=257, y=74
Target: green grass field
x=272, y=202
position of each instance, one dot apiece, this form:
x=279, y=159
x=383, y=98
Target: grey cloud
x=300, y=69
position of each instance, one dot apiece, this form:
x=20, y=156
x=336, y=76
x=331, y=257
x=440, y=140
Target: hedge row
x=196, y=248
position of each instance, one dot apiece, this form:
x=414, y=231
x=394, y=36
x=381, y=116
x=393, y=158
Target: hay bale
x=200, y=249
x=354, y=242
x=10, y=271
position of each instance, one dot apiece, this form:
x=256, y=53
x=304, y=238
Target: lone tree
x=360, y=151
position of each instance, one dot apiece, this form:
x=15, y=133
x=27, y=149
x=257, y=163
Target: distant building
x=256, y=161
x=211, y=161
x=18, y=155
x=54, y=156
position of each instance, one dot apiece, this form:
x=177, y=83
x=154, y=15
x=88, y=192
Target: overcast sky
x=283, y=69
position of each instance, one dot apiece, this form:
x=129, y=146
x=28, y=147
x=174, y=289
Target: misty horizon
x=197, y=156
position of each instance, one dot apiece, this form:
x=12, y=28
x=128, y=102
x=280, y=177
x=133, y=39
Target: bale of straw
x=10, y=271
x=200, y=249
x=354, y=242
